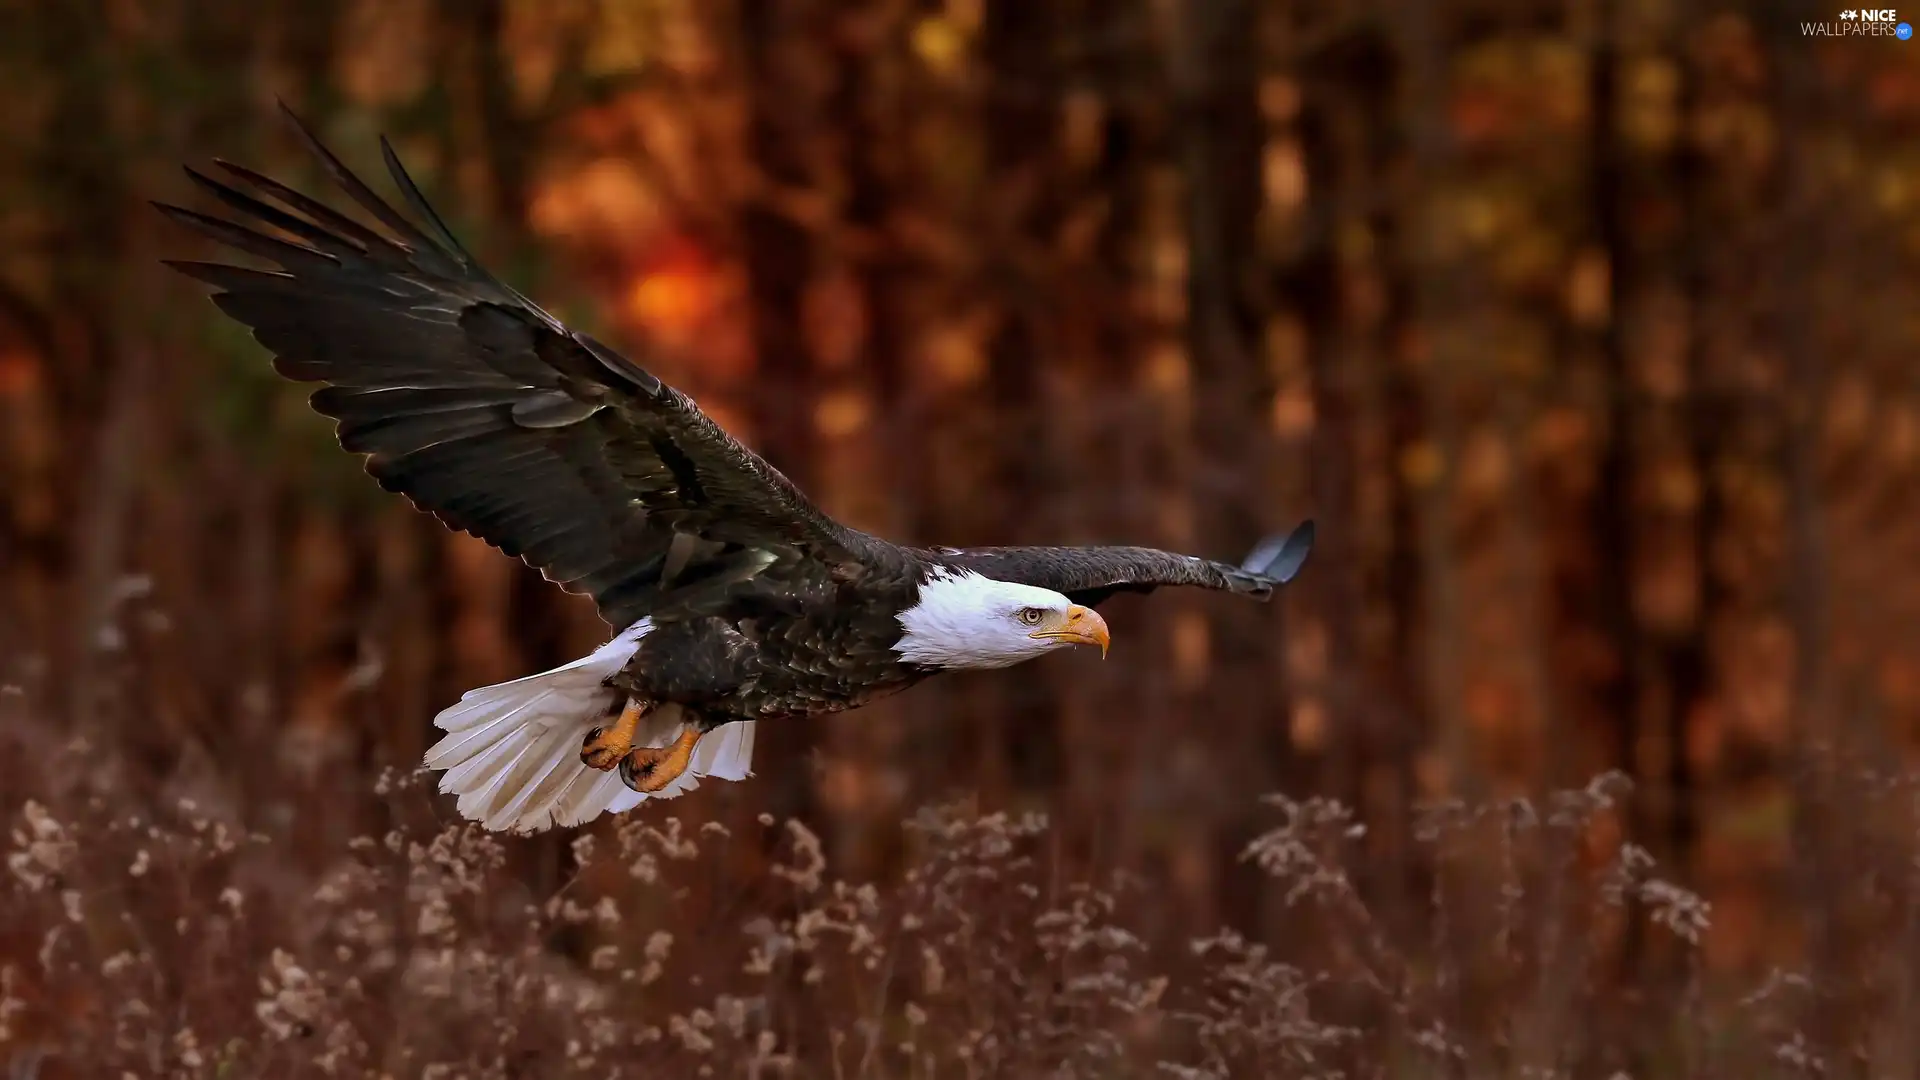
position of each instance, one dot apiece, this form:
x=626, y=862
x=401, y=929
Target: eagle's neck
x=960, y=619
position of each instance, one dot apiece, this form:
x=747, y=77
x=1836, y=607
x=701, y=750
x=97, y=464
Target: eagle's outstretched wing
x=1089, y=575
x=488, y=413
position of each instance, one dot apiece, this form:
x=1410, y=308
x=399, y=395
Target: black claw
x=592, y=735
x=631, y=776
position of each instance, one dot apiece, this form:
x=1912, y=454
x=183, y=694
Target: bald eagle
x=734, y=598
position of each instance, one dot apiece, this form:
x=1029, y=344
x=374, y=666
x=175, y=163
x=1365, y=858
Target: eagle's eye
x=1032, y=615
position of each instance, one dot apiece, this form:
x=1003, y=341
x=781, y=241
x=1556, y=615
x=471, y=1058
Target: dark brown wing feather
x=487, y=412
x=1089, y=575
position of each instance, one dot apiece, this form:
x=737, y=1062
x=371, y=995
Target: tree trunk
x=779, y=259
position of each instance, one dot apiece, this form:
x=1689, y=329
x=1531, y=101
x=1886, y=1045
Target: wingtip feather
x=416, y=201
x=355, y=188
x=1279, y=557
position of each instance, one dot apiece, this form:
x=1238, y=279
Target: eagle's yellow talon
x=604, y=747
x=652, y=768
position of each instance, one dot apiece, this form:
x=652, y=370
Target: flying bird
x=735, y=600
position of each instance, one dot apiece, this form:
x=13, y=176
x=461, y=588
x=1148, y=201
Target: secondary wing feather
x=490, y=414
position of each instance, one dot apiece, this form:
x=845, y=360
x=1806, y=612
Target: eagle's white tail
x=512, y=750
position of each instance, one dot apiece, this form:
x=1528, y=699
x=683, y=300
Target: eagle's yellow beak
x=1080, y=626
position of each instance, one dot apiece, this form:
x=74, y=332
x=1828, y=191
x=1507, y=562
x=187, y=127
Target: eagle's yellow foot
x=604, y=747
x=651, y=768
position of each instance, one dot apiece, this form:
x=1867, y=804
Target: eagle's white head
x=964, y=620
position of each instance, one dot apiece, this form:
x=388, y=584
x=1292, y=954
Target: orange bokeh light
x=675, y=295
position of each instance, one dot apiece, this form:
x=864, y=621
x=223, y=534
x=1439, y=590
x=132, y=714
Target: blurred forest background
x=1585, y=332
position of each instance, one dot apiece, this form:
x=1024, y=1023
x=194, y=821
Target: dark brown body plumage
x=778, y=662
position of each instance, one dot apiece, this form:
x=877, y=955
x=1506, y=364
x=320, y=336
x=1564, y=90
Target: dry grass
x=146, y=935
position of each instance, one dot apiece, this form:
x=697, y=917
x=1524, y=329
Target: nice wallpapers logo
x=1861, y=22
